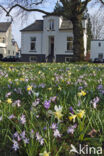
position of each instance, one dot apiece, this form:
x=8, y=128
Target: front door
x=51, y=49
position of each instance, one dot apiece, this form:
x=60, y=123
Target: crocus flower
x=23, y=119
x=45, y=153
x=71, y=129
x=29, y=88
x=57, y=133
x=71, y=110
x=58, y=112
x=54, y=126
x=26, y=140
x=72, y=117
x=9, y=101
x=15, y=145
x=47, y=104
x=81, y=113
x=82, y=93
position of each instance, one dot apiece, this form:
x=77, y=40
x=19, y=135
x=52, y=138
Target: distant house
x=97, y=49
x=7, y=44
x=50, y=39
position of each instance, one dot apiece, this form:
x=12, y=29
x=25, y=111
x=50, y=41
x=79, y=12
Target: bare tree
x=72, y=10
x=97, y=24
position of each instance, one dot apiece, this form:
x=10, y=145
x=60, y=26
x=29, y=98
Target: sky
x=18, y=24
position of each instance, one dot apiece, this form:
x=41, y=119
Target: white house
x=7, y=44
x=97, y=49
x=50, y=39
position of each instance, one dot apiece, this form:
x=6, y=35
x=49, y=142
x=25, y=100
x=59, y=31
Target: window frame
x=68, y=42
x=67, y=58
x=32, y=41
x=100, y=55
x=51, y=24
x=99, y=44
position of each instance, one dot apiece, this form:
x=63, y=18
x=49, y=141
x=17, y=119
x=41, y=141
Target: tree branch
x=37, y=3
x=29, y=10
x=102, y=1
x=3, y=8
x=84, y=6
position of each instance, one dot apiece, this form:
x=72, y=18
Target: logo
x=86, y=150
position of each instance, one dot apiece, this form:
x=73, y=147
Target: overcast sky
x=19, y=24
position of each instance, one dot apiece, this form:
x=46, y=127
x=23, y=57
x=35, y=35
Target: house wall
x=96, y=49
x=60, y=42
x=7, y=48
x=2, y=45
x=42, y=39
x=25, y=42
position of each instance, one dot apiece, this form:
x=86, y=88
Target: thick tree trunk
x=78, y=46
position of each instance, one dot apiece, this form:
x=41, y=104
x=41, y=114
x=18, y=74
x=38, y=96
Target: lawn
x=46, y=109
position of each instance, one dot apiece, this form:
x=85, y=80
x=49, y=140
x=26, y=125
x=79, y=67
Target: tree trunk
x=78, y=45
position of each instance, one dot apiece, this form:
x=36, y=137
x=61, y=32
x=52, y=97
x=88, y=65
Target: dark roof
x=66, y=25
x=36, y=26
x=4, y=26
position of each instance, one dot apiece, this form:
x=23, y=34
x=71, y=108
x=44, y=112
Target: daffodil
x=59, y=88
x=9, y=101
x=72, y=117
x=22, y=79
x=29, y=88
x=45, y=153
x=82, y=93
x=49, y=88
x=58, y=112
x=81, y=113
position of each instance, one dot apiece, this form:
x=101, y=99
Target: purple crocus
x=47, y=104
x=54, y=126
x=26, y=141
x=23, y=119
x=71, y=110
x=71, y=129
x=15, y=145
x=23, y=135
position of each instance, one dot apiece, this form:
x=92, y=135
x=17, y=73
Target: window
x=4, y=40
x=33, y=59
x=51, y=25
x=33, y=43
x=69, y=43
x=8, y=51
x=99, y=44
x=67, y=59
x=100, y=56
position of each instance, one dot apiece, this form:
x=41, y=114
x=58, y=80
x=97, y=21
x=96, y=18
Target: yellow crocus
x=81, y=113
x=72, y=117
x=9, y=101
x=29, y=88
x=58, y=112
x=82, y=93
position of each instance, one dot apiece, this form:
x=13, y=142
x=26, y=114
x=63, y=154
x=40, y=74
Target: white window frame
x=32, y=41
x=51, y=24
x=68, y=42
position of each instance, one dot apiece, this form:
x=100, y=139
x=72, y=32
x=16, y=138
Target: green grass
x=32, y=91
